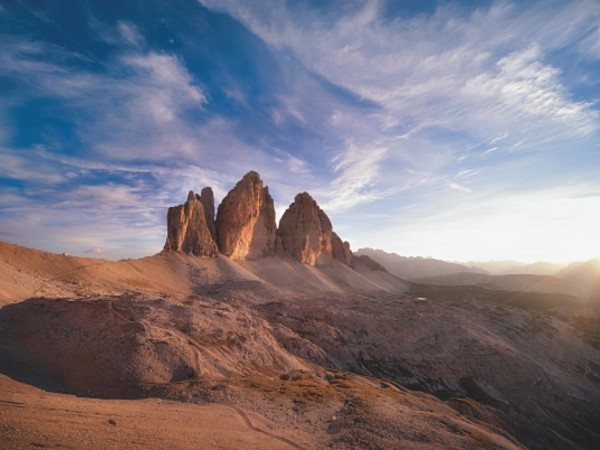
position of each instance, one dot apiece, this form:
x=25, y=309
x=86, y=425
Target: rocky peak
x=306, y=234
x=208, y=201
x=245, y=223
x=245, y=226
x=187, y=229
x=341, y=250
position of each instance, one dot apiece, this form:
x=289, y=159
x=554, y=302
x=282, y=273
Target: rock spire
x=306, y=234
x=246, y=220
x=188, y=230
x=245, y=227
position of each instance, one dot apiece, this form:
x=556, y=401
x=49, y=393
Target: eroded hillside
x=312, y=355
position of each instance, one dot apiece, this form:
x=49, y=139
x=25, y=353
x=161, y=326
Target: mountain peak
x=245, y=226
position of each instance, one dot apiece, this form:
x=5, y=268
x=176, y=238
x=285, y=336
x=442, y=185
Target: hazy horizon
x=457, y=130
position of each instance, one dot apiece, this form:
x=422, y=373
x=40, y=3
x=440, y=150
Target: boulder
x=245, y=223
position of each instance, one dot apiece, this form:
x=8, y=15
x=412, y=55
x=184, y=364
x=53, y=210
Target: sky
x=460, y=130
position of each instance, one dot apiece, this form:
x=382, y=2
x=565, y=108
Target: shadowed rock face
x=208, y=201
x=246, y=220
x=306, y=234
x=187, y=229
x=341, y=250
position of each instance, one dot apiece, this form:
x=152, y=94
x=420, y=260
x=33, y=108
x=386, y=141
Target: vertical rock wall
x=187, y=230
x=245, y=227
x=246, y=220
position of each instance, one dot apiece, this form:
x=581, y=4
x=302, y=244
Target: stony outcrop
x=187, y=229
x=208, y=201
x=341, y=250
x=245, y=227
x=367, y=262
x=246, y=220
x=306, y=234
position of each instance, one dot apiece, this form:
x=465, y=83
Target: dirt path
x=249, y=424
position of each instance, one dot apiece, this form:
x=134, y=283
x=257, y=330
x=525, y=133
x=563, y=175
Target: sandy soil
x=184, y=352
x=28, y=273
x=33, y=418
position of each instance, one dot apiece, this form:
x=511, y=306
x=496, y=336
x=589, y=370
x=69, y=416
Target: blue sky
x=458, y=130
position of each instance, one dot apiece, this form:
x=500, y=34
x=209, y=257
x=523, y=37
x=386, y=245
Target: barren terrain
x=186, y=352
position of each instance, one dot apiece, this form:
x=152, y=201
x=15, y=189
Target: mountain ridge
x=410, y=267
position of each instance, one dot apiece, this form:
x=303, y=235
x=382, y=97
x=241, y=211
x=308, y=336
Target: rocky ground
x=184, y=352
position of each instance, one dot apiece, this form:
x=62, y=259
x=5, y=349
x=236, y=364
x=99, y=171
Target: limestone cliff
x=245, y=227
x=306, y=234
x=246, y=220
x=187, y=229
x=208, y=201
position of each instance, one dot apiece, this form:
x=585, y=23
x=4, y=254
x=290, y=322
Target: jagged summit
x=208, y=201
x=245, y=227
x=189, y=227
x=246, y=220
x=306, y=234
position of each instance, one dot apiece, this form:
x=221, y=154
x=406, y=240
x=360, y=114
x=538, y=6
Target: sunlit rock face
x=187, y=229
x=245, y=227
x=246, y=220
x=306, y=234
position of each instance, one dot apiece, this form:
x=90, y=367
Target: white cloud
x=466, y=174
x=295, y=165
x=128, y=117
x=422, y=100
x=591, y=44
x=457, y=186
x=130, y=33
x=523, y=90
x=477, y=74
x=16, y=164
x=356, y=169
x=162, y=87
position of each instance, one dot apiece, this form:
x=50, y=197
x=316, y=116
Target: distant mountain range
x=410, y=267
x=586, y=276
x=579, y=279
x=516, y=267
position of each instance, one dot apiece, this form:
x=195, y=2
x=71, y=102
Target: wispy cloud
x=17, y=165
x=449, y=71
x=457, y=186
x=369, y=112
x=141, y=99
x=356, y=170
x=130, y=33
x=522, y=90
